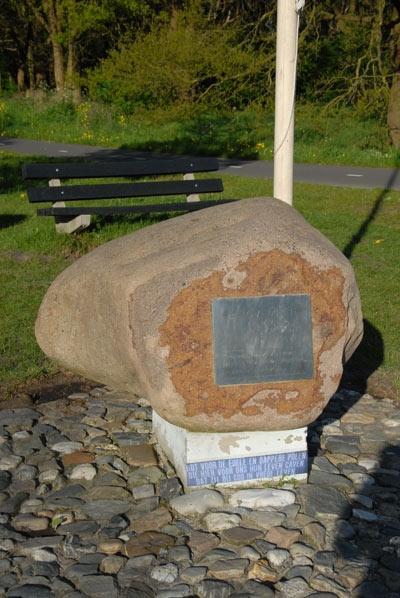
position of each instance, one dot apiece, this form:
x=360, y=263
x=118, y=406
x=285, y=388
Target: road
x=339, y=176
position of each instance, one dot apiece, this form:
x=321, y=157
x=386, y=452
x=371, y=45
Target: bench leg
x=64, y=224
x=193, y=196
x=75, y=225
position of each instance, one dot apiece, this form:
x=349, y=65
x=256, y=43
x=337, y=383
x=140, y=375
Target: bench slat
x=110, y=211
x=78, y=192
x=116, y=169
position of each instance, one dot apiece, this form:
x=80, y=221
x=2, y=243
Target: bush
x=5, y=118
x=189, y=62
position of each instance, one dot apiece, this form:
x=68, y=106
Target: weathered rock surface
x=139, y=309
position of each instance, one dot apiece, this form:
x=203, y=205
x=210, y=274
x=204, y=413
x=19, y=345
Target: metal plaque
x=262, y=339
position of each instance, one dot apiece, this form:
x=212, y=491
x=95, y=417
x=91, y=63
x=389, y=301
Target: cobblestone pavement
x=89, y=508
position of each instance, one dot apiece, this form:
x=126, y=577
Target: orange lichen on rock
x=187, y=332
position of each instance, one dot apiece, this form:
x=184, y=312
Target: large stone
x=264, y=519
x=229, y=569
x=284, y=538
x=218, y=522
x=164, y=573
x=202, y=542
x=147, y=543
x=262, y=571
x=154, y=520
x=209, y=588
x=241, y=535
x=323, y=503
x=31, y=591
x=258, y=498
x=139, y=309
x=99, y=585
x=197, y=502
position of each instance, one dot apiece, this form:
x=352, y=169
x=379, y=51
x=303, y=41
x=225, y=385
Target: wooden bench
x=76, y=218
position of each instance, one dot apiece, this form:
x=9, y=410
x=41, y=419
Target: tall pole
x=285, y=86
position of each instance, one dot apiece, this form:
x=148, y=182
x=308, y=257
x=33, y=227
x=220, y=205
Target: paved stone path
x=90, y=508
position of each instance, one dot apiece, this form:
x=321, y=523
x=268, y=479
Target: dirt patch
x=43, y=390
x=379, y=384
x=23, y=256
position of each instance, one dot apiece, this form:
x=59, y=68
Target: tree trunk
x=58, y=55
x=21, y=79
x=173, y=23
x=31, y=68
x=58, y=66
x=393, y=117
x=72, y=81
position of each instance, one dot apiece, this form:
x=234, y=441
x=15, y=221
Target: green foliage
x=61, y=111
x=319, y=57
x=341, y=135
x=322, y=136
x=5, y=117
x=346, y=55
x=192, y=61
x=214, y=53
x=216, y=133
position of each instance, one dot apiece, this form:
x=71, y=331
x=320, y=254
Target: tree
x=21, y=42
x=66, y=22
x=187, y=61
x=393, y=117
x=349, y=49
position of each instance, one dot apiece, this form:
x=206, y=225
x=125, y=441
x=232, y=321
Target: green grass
x=32, y=254
x=322, y=136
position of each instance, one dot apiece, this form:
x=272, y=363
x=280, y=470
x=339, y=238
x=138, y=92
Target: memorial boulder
x=233, y=318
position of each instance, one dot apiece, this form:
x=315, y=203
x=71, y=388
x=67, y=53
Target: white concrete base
x=75, y=225
x=63, y=225
x=233, y=458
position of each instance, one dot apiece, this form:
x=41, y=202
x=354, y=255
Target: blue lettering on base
x=224, y=471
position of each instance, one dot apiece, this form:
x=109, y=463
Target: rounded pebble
x=197, y=502
x=164, y=573
x=83, y=472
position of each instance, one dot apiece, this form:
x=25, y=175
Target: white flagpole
x=285, y=90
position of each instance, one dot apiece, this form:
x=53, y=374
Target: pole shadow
x=362, y=231
x=369, y=355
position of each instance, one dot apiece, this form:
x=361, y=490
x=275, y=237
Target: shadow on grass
x=10, y=173
x=7, y=220
x=142, y=218
x=362, y=231
x=365, y=361
x=208, y=135
x=360, y=372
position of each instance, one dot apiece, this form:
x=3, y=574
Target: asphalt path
x=339, y=176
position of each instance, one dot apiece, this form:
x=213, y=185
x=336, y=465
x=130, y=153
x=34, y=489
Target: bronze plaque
x=262, y=339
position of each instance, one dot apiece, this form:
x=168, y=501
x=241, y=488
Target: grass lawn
x=365, y=224
x=322, y=136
